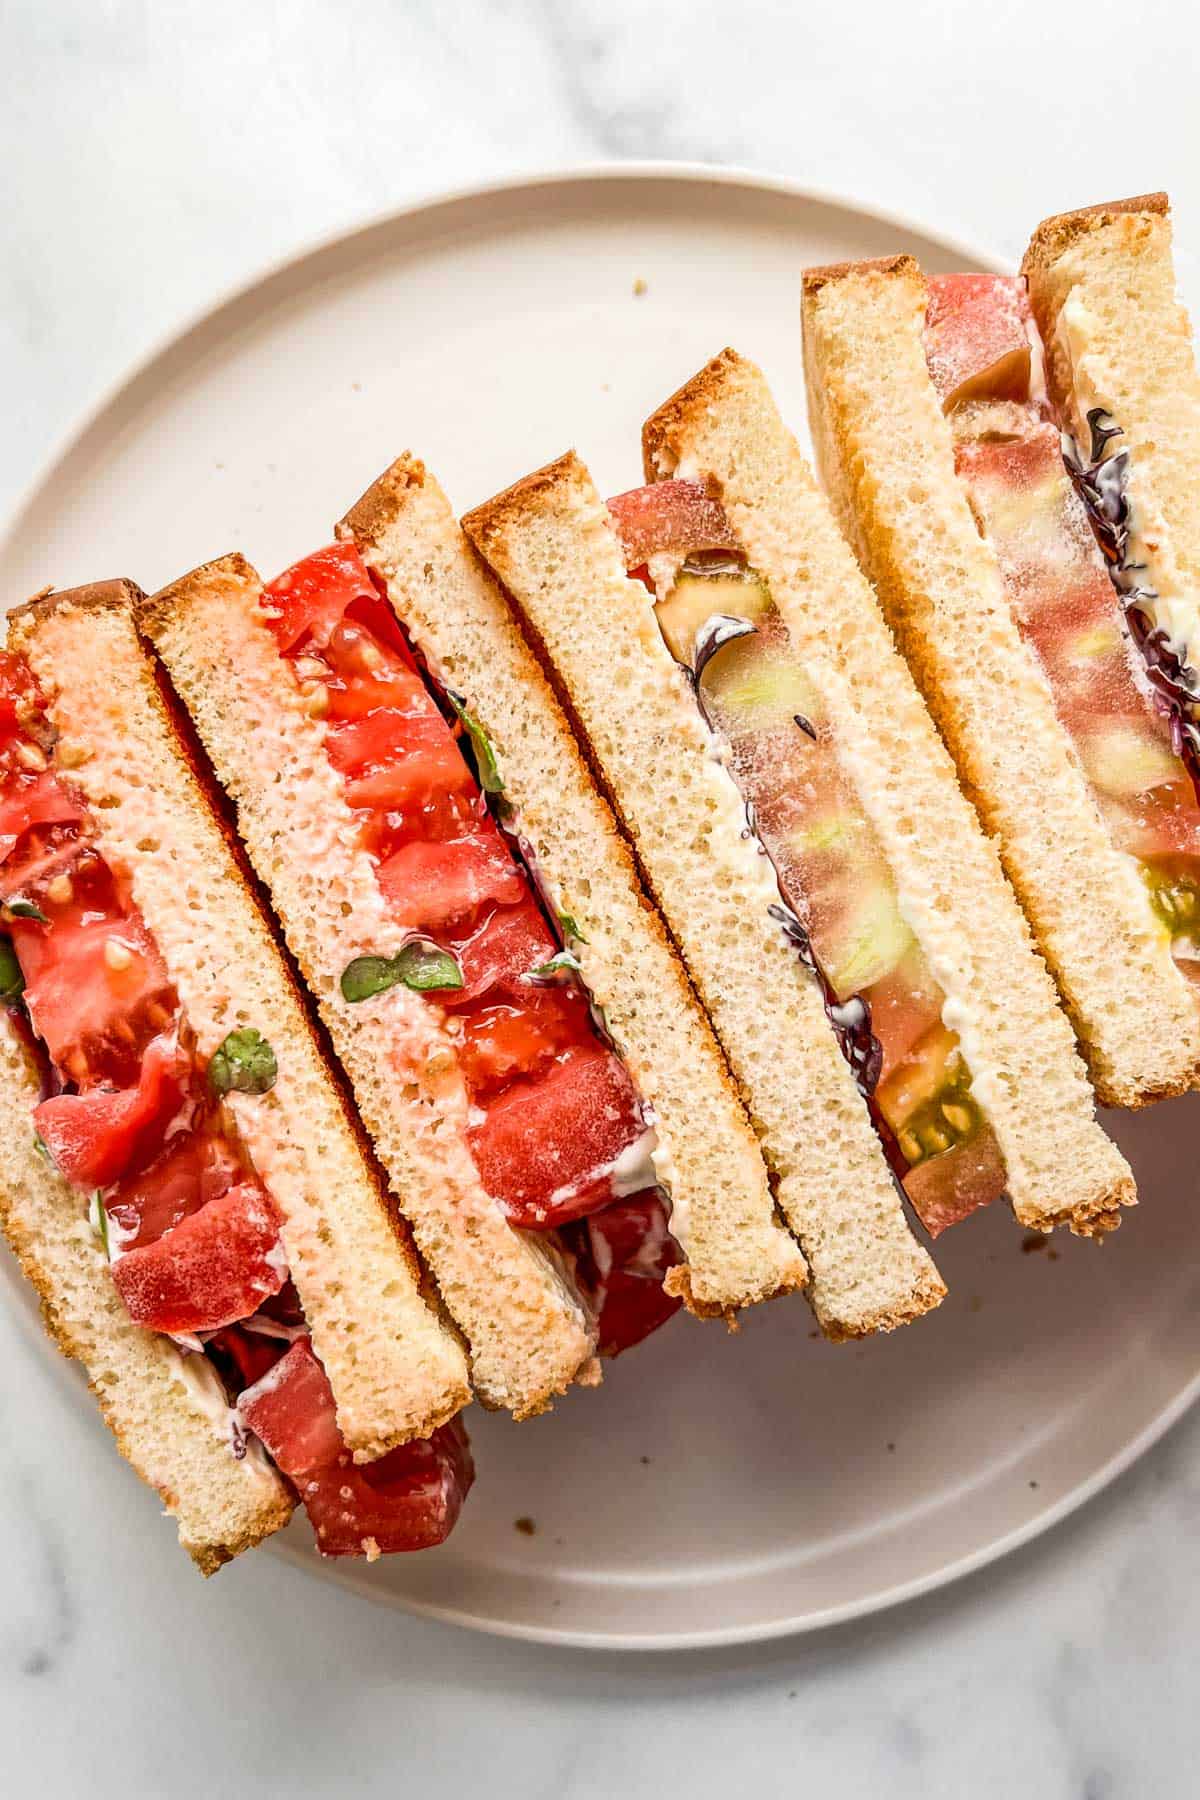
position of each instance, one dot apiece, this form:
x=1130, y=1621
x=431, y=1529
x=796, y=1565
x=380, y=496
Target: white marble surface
x=156, y=151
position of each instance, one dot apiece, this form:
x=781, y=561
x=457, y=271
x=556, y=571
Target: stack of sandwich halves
x=688, y=898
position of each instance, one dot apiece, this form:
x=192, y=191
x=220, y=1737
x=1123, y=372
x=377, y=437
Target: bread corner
x=371, y=516
x=1061, y=230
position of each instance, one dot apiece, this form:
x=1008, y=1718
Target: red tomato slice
x=193, y=1168
x=519, y=1037
x=293, y=1413
x=94, y=1019
x=622, y=1256
x=370, y=671
x=214, y=1268
x=309, y=599
x=510, y=942
x=976, y=340
x=30, y=800
x=391, y=760
x=409, y=1500
x=670, y=515
x=546, y=1148
x=18, y=689
x=432, y=886
x=95, y=1136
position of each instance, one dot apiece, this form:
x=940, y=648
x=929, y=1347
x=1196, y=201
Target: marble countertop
x=157, y=151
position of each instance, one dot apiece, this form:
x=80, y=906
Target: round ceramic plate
x=717, y=1488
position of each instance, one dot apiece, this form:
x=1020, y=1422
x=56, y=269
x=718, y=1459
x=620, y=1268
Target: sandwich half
x=733, y=1251
x=1061, y=698
x=181, y=1179
x=857, y=802
x=556, y=548
x=431, y=925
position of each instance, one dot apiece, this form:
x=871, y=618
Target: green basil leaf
x=486, y=766
x=419, y=965
x=43, y=1148
x=564, y=960
x=570, y=928
x=25, y=909
x=12, y=982
x=244, y=1062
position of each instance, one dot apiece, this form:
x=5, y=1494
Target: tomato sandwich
x=556, y=1119
x=1014, y=459
x=843, y=917
x=180, y=1176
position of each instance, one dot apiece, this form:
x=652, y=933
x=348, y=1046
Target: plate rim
x=431, y=202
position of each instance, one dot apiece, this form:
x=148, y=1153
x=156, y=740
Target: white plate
x=717, y=1489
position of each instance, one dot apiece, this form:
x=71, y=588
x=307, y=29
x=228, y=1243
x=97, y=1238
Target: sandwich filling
x=835, y=896
x=557, y=1133
x=138, y=1123
x=1060, y=528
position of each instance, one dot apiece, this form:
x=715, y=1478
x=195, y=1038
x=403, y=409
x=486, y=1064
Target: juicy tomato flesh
x=622, y=1256
x=216, y=1266
x=833, y=874
x=977, y=338
x=193, y=1167
x=549, y=1145
x=1054, y=573
x=95, y=1136
x=95, y=984
x=409, y=1499
x=554, y=1106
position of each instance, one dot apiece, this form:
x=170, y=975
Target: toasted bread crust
x=887, y=461
x=817, y=277
x=551, y=542
x=722, y=1211
x=1057, y=233
x=526, y=1332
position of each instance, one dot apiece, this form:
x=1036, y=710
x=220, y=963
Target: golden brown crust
x=491, y=519
x=705, y=388
x=1060, y=230
x=116, y=595
x=378, y=508
x=173, y=601
x=820, y=276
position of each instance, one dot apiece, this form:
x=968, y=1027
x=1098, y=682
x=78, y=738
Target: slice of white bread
x=724, y=429
x=397, y=1371
x=886, y=455
x=722, y=1213
x=172, y=1430
x=1102, y=284
x=527, y=1334
x=551, y=541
